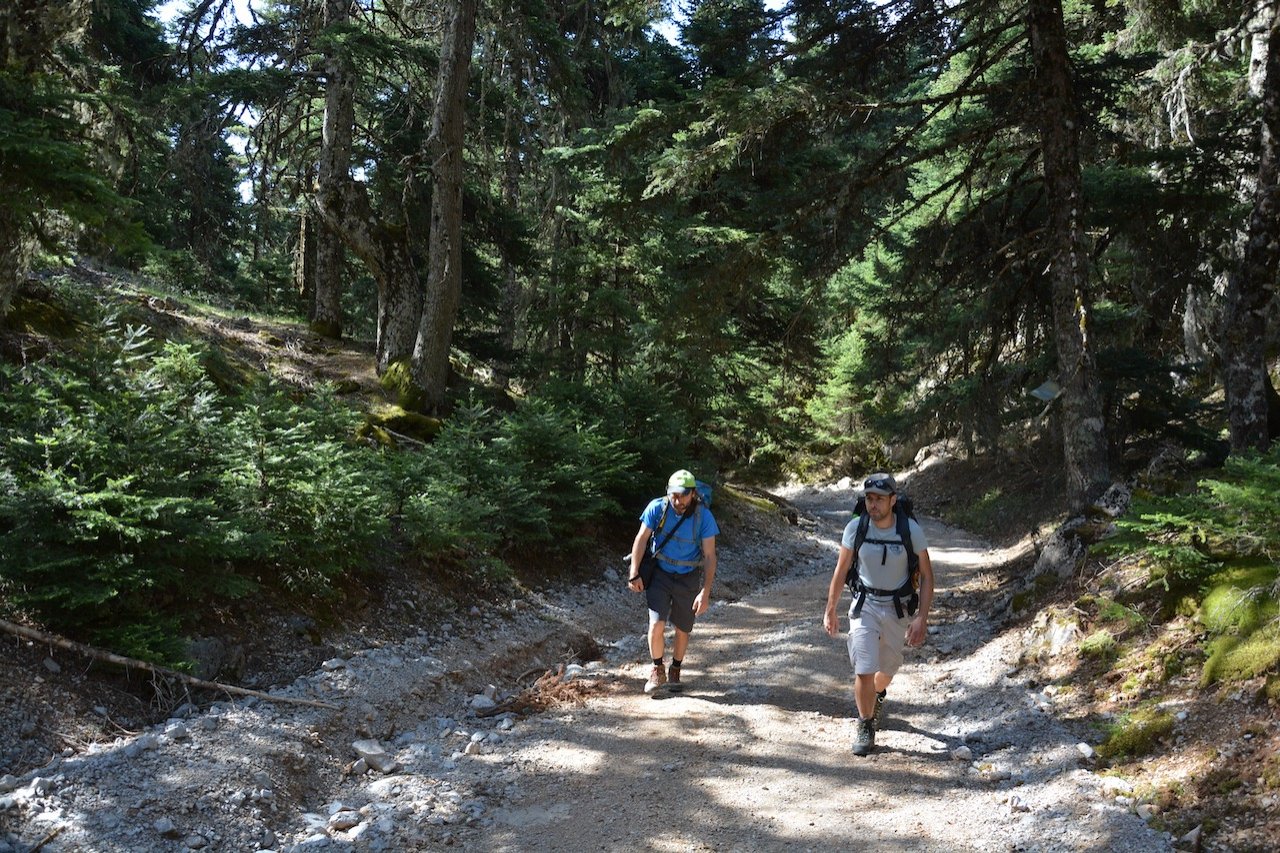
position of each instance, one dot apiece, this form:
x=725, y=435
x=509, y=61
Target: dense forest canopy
x=815, y=223
x=747, y=235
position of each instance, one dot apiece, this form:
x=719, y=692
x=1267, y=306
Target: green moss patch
x=386, y=422
x=1237, y=657
x=398, y=379
x=1239, y=599
x=1099, y=644
x=1136, y=734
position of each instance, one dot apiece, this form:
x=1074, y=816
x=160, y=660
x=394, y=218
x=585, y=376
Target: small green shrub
x=133, y=491
x=1113, y=611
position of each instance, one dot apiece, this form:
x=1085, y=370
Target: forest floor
x=445, y=728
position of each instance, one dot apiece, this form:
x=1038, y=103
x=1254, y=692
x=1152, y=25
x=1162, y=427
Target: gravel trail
x=754, y=753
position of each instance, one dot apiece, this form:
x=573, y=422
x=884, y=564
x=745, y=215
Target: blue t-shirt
x=686, y=544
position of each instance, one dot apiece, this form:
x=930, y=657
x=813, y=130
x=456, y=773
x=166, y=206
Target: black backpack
x=906, y=598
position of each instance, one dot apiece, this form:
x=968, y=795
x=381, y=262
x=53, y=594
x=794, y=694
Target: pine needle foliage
x=136, y=494
x=133, y=493
x=1215, y=551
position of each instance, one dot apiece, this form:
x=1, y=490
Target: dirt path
x=753, y=755
x=755, y=752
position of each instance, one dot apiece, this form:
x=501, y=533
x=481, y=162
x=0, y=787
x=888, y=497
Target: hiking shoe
x=864, y=740
x=673, y=679
x=877, y=718
x=657, y=678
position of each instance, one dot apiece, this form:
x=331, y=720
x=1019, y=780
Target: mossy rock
x=375, y=433
x=397, y=420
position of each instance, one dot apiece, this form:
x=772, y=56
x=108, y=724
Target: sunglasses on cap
x=682, y=493
x=871, y=483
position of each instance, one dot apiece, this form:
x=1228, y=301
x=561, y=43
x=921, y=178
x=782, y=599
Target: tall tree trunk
x=512, y=294
x=1083, y=426
x=13, y=257
x=334, y=173
x=444, y=267
x=1249, y=291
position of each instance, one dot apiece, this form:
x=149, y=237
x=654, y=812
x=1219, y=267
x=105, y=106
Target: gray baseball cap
x=880, y=484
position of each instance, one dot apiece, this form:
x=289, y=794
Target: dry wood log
x=120, y=660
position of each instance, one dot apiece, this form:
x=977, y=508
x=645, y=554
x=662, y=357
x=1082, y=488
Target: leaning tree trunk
x=385, y=252
x=1083, y=427
x=334, y=173
x=444, y=266
x=1249, y=292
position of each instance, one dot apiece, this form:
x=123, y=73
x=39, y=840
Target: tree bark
x=1083, y=427
x=512, y=294
x=334, y=173
x=304, y=261
x=13, y=258
x=385, y=252
x=1250, y=286
x=430, y=369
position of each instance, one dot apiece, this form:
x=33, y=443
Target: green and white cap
x=681, y=481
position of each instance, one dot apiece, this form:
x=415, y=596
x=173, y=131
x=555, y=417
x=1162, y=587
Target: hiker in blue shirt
x=892, y=593
x=683, y=532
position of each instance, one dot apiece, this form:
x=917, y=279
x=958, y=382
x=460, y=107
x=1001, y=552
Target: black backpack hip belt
x=906, y=599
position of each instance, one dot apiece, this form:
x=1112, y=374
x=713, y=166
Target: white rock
x=962, y=753
x=1087, y=751
x=333, y=664
x=374, y=755
x=480, y=702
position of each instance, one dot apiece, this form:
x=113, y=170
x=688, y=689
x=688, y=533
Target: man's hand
x=701, y=602
x=633, y=584
x=917, y=631
x=831, y=622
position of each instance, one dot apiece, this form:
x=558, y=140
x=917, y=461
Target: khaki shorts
x=876, y=638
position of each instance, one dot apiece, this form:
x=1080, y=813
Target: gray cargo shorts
x=671, y=596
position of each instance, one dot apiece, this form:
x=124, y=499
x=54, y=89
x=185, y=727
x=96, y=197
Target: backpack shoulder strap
x=860, y=535
x=904, y=532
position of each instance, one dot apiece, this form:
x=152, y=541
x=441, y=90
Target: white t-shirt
x=883, y=566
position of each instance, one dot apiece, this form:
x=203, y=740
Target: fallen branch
x=119, y=660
